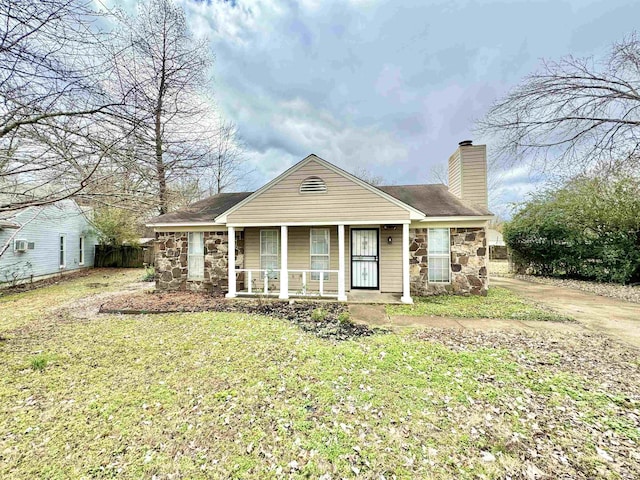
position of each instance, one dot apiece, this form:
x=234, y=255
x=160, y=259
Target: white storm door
x=364, y=258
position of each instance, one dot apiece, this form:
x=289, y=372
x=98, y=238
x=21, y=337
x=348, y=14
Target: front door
x=364, y=258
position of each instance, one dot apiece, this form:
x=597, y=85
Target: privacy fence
x=123, y=256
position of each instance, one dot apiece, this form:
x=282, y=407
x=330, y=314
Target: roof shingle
x=433, y=200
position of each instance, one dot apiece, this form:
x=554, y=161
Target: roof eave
x=461, y=218
x=184, y=224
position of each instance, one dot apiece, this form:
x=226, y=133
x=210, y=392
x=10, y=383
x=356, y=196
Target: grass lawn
x=499, y=303
x=210, y=395
x=19, y=309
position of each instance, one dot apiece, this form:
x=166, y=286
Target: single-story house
x=42, y=241
x=318, y=230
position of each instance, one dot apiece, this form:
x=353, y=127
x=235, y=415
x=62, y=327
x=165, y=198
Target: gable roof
x=204, y=211
x=429, y=200
x=434, y=200
x=313, y=157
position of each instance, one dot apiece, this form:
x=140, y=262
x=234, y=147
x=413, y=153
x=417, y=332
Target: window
x=269, y=252
x=319, y=252
x=313, y=185
x=81, y=251
x=62, y=252
x=196, y=256
x=439, y=255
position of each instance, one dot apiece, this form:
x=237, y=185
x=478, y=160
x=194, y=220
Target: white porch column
x=284, y=252
x=342, y=296
x=406, y=287
x=231, y=261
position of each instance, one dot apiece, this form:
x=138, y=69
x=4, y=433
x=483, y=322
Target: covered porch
x=361, y=262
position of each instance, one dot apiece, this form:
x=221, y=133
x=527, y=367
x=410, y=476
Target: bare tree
x=53, y=107
x=438, y=173
x=367, y=176
x=574, y=115
x=166, y=68
x=226, y=162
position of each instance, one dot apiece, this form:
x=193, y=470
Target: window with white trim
x=269, y=248
x=62, y=253
x=81, y=251
x=319, y=239
x=439, y=255
x=195, y=247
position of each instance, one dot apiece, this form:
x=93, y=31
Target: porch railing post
x=406, y=289
x=231, y=261
x=342, y=296
x=284, y=272
x=321, y=282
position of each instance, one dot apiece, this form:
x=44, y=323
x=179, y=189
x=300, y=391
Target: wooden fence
x=123, y=256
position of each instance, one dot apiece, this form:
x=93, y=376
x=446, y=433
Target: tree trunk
x=160, y=166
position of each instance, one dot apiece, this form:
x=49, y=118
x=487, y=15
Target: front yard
x=499, y=303
x=231, y=395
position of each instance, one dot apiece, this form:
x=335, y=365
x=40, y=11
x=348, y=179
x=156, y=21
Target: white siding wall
x=51, y=221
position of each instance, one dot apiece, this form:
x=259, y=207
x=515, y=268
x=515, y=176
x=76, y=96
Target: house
x=318, y=230
x=495, y=238
x=42, y=241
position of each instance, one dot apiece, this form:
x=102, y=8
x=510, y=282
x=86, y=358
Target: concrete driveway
x=613, y=317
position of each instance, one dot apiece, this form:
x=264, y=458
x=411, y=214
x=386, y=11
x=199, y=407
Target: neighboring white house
x=495, y=238
x=44, y=241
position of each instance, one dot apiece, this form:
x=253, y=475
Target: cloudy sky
x=390, y=86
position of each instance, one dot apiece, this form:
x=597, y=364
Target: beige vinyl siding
x=299, y=256
x=455, y=186
x=344, y=200
x=474, y=174
x=391, y=260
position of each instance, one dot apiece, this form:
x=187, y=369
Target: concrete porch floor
x=373, y=297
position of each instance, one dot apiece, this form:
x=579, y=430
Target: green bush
x=149, y=274
x=589, y=228
x=345, y=318
x=318, y=315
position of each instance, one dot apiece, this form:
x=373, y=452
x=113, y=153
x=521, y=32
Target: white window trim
x=328, y=254
x=81, y=251
x=273, y=276
x=190, y=274
x=62, y=250
x=439, y=255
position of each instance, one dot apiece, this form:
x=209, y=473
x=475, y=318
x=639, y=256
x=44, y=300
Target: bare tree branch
x=573, y=115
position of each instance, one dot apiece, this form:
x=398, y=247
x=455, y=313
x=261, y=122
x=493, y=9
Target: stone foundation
x=171, y=261
x=468, y=263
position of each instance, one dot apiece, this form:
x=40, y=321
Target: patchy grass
x=19, y=309
x=230, y=395
x=500, y=303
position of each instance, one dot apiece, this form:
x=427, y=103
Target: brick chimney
x=468, y=173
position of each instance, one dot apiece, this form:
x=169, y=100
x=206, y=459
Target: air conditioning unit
x=20, y=246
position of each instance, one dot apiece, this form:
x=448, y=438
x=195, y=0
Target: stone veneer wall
x=171, y=250
x=468, y=263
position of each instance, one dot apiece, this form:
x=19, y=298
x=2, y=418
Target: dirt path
x=616, y=318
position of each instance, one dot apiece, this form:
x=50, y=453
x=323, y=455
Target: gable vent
x=313, y=185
